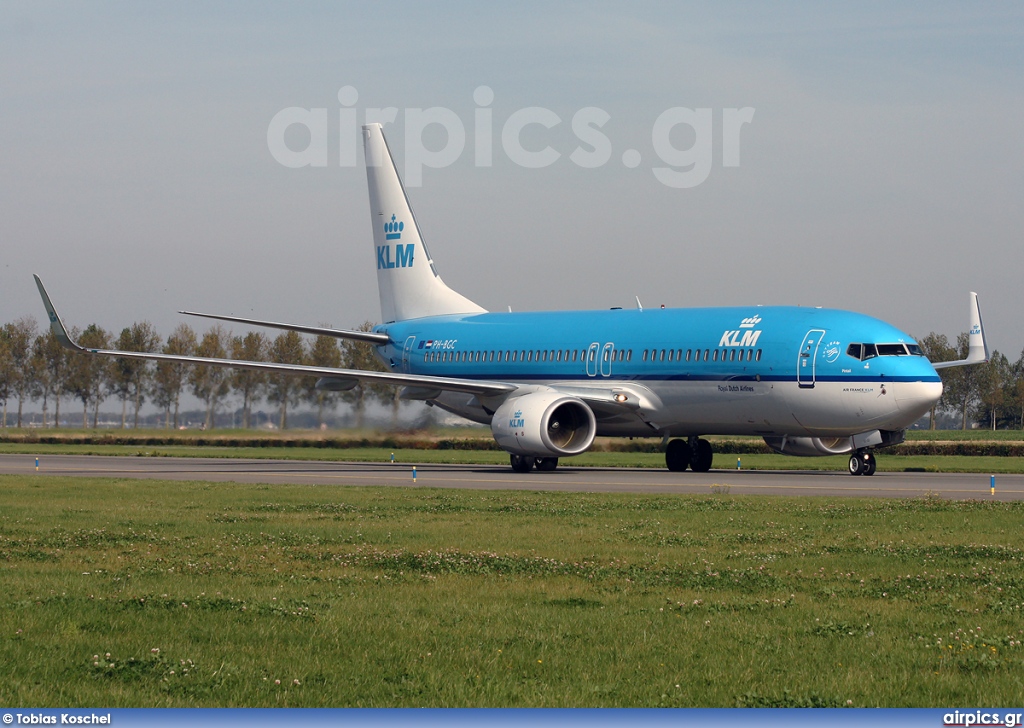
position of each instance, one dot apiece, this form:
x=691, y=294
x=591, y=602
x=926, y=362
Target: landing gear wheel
x=677, y=456
x=702, y=457
x=547, y=464
x=869, y=464
x=863, y=463
x=521, y=463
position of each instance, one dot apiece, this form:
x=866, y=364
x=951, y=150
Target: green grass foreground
x=149, y=593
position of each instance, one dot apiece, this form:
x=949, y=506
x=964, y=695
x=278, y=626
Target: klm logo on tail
x=403, y=254
x=393, y=230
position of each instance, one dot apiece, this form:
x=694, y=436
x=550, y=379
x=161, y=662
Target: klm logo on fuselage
x=739, y=338
x=397, y=255
x=746, y=335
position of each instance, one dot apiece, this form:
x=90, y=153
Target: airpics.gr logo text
x=981, y=718
x=676, y=167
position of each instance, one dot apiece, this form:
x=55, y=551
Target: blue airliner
x=810, y=381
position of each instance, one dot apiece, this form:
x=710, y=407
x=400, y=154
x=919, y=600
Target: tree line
x=34, y=367
x=984, y=395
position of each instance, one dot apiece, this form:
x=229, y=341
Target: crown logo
x=393, y=230
x=749, y=323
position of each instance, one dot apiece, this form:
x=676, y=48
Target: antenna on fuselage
x=639, y=305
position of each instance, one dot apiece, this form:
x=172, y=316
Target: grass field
x=132, y=593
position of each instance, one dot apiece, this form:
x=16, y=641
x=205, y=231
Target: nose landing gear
x=862, y=462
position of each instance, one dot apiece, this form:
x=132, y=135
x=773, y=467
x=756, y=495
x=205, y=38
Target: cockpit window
x=892, y=350
x=861, y=351
x=867, y=351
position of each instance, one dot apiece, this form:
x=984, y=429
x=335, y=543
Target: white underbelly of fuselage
x=754, y=408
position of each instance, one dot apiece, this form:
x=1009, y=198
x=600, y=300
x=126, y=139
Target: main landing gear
x=526, y=463
x=862, y=462
x=695, y=453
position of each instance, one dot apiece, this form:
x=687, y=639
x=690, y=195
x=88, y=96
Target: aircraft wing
x=977, y=346
x=469, y=386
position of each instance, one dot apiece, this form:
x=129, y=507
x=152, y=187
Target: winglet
x=56, y=325
x=977, y=345
x=977, y=348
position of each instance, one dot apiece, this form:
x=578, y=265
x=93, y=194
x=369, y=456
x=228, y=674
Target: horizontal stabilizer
x=368, y=336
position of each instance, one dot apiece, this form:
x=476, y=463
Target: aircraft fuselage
x=766, y=371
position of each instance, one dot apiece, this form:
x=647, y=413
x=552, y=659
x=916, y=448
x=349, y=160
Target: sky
x=880, y=169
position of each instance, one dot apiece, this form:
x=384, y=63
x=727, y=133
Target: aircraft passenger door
x=407, y=354
x=592, y=363
x=607, y=356
x=805, y=361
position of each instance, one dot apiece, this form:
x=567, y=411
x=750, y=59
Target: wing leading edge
x=448, y=384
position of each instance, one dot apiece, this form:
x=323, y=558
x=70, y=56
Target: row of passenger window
x=555, y=355
x=581, y=355
x=701, y=355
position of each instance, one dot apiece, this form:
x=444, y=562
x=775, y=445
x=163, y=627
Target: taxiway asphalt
x=495, y=477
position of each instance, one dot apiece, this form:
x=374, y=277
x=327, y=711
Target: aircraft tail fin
x=408, y=283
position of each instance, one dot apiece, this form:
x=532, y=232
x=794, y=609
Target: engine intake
x=544, y=424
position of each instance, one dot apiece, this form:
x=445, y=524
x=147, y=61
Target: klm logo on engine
x=517, y=422
x=746, y=335
x=397, y=255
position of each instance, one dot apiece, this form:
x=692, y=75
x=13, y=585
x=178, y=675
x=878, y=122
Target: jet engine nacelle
x=335, y=384
x=819, y=446
x=810, y=446
x=544, y=424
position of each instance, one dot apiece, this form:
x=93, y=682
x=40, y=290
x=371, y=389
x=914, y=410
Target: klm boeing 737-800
x=810, y=381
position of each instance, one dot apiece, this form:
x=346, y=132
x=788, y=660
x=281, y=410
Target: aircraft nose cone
x=917, y=398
